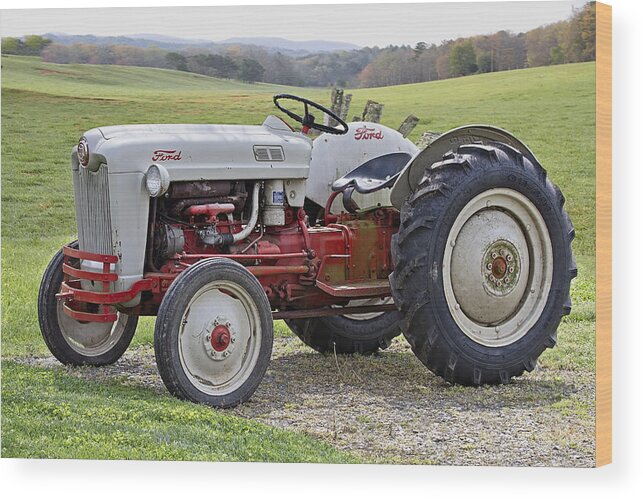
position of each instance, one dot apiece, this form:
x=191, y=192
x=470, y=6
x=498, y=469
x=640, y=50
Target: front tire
x=483, y=265
x=77, y=343
x=214, y=333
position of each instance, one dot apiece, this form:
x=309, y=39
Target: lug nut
x=489, y=266
x=509, y=258
x=511, y=270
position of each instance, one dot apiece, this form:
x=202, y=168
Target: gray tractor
x=352, y=238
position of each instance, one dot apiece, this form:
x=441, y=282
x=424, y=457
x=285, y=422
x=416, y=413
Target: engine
x=196, y=217
x=252, y=222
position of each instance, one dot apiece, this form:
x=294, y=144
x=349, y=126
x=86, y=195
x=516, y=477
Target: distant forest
x=572, y=40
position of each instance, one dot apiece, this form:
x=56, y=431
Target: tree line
x=30, y=45
x=572, y=40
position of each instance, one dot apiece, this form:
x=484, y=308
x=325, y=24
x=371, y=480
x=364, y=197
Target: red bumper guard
x=93, y=306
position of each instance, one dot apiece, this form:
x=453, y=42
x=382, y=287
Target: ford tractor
x=351, y=238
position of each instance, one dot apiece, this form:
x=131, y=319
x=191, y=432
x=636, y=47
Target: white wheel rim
x=226, y=305
x=497, y=267
x=90, y=339
x=364, y=303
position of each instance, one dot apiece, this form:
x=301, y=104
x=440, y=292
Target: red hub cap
x=220, y=338
x=499, y=267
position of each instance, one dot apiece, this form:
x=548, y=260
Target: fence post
x=372, y=111
x=408, y=125
x=339, y=104
x=346, y=104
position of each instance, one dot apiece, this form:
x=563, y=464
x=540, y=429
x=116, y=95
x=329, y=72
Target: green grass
x=105, y=82
x=49, y=414
x=46, y=107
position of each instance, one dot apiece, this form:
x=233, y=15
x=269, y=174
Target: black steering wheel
x=308, y=120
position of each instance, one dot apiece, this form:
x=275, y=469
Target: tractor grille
x=92, y=211
x=269, y=153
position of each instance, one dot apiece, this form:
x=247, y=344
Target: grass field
x=50, y=415
x=46, y=107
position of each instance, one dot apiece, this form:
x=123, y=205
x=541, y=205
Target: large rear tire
x=79, y=343
x=214, y=333
x=483, y=265
x=361, y=334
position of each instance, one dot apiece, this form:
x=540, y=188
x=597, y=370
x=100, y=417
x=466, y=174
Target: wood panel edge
x=603, y=234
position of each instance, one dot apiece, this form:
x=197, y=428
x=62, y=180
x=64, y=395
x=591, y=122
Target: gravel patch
x=390, y=408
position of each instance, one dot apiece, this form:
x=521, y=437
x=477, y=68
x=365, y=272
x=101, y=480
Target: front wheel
x=214, y=333
x=483, y=265
x=73, y=342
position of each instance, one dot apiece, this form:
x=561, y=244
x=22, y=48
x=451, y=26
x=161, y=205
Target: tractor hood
x=192, y=152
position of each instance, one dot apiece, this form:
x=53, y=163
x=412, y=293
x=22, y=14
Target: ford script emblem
x=166, y=155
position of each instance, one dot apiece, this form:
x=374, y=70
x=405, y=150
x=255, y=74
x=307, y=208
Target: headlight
x=157, y=180
x=83, y=151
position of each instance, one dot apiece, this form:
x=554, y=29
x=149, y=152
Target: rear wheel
x=348, y=334
x=483, y=265
x=213, y=335
x=73, y=342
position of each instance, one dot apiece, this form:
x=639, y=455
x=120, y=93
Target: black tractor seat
x=371, y=176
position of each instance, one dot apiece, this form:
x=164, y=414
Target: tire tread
x=429, y=201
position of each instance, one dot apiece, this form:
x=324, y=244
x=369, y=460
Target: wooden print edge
x=603, y=234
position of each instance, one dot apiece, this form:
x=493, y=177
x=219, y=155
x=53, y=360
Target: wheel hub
x=500, y=268
x=485, y=266
x=219, y=338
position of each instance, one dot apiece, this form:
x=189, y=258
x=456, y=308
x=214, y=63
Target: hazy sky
x=362, y=24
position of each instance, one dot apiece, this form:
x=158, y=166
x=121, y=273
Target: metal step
x=357, y=289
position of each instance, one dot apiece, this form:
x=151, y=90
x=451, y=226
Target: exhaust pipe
x=254, y=216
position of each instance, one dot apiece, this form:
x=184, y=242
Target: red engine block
x=301, y=267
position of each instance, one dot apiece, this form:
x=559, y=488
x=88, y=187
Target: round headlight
x=83, y=151
x=157, y=180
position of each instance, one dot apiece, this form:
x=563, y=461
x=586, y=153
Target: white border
x=98, y=479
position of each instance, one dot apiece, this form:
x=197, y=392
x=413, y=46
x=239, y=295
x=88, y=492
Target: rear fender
x=448, y=141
